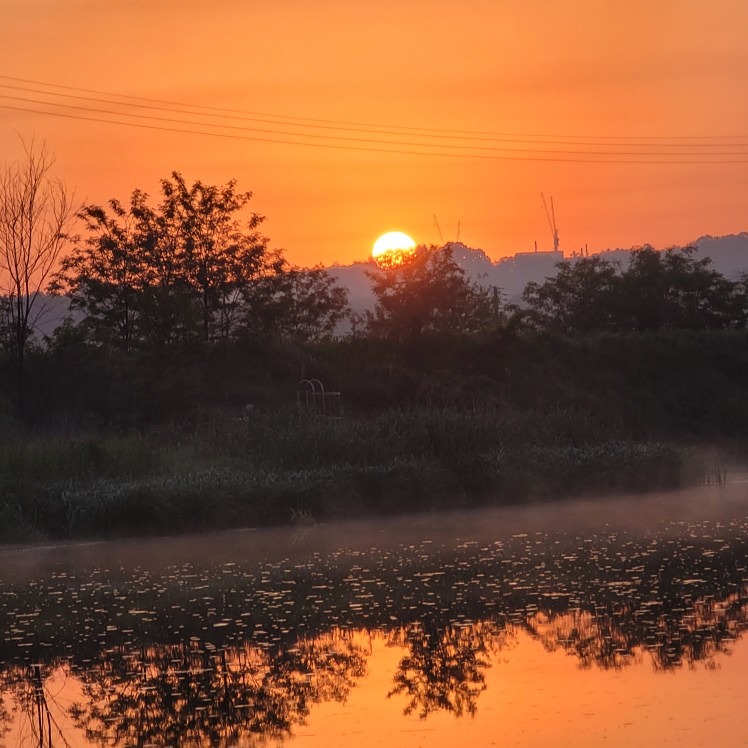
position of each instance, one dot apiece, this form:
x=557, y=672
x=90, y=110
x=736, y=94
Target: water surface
x=617, y=620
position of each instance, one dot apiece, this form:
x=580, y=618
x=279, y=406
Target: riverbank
x=279, y=469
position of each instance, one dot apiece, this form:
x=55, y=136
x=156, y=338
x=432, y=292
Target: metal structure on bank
x=316, y=402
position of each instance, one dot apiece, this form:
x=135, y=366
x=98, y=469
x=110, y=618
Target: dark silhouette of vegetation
x=670, y=290
x=582, y=296
x=187, y=271
x=272, y=469
x=182, y=316
x=427, y=293
x=35, y=216
x=303, y=306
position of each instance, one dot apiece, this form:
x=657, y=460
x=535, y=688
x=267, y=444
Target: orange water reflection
x=537, y=698
x=575, y=678
x=500, y=636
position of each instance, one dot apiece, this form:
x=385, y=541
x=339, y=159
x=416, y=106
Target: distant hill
x=729, y=255
x=51, y=311
x=510, y=275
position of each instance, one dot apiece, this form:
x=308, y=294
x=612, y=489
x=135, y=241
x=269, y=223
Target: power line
x=373, y=149
x=373, y=141
x=192, y=110
x=330, y=123
x=378, y=145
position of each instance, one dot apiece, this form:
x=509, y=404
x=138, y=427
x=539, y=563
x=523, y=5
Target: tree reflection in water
x=214, y=654
x=25, y=689
x=613, y=638
x=198, y=694
x=4, y=715
x=194, y=695
x=444, y=667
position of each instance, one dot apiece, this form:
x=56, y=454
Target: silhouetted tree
x=105, y=275
x=190, y=270
x=304, y=305
x=211, y=253
x=169, y=274
x=674, y=290
x=658, y=290
x=35, y=215
x=427, y=293
x=583, y=295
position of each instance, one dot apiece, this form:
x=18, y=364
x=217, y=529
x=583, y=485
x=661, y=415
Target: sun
x=392, y=249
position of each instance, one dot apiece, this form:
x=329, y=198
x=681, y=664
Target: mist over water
x=232, y=637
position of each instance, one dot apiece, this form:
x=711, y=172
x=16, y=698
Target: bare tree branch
x=36, y=211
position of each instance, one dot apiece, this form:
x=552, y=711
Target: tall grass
x=277, y=468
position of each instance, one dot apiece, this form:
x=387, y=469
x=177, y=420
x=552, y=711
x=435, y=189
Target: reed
x=280, y=468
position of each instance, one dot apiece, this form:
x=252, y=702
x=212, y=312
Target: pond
x=617, y=621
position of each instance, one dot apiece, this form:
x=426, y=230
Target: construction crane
x=441, y=238
x=551, y=215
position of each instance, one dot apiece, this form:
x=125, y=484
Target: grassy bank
x=273, y=469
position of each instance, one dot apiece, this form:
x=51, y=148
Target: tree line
x=659, y=290
x=168, y=285
x=189, y=270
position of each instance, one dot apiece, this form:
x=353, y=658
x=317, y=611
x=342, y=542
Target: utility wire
x=282, y=120
x=330, y=122
x=376, y=145
x=373, y=141
x=371, y=149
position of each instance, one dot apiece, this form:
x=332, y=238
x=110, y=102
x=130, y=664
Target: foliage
x=304, y=305
x=427, y=293
x=583, y=295
x=35, y=216
x=166, y=275
x=271, y=469
x=189, y=270
x=673, y=290
x=658, y=290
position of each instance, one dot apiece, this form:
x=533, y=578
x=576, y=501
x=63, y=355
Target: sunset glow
x=392, y=241
x=631, y=116
x=392, y=249
x=268, y=479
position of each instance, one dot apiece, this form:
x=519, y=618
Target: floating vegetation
x=189, y=653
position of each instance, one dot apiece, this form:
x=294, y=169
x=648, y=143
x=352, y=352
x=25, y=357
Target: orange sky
x=638, y=77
